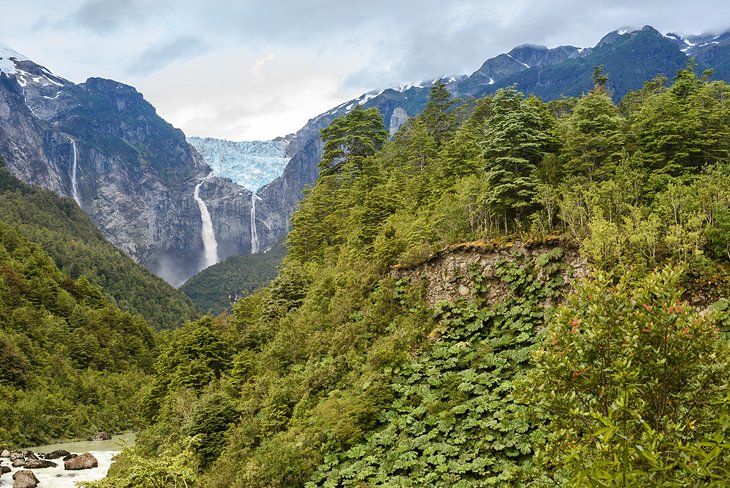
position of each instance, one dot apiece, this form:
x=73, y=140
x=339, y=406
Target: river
x=57, y=477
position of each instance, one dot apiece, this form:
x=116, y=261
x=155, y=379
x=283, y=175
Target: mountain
x=134, y=174
x=473, y=303
x=629, y=57
x=153, y=195
x=80, y=250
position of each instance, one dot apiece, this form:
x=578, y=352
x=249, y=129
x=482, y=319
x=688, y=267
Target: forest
x=587, y=345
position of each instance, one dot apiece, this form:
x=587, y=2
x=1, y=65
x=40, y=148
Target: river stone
x=39, y=464
x=19, y=463
x=5, y=454
x=24, y=479
x=16, y=455
x=4, y=469
x=69, y=456
x=59, y=453
x=101, y=436
x=82, y=461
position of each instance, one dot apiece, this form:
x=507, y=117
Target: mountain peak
x=8, y=59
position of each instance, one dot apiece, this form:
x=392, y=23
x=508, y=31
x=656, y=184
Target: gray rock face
x=135, y=173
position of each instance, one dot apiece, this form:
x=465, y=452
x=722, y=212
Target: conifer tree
x=514, y=141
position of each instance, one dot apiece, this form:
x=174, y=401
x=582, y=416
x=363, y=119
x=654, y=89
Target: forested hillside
x=78, y=248
x=216, y=288
x=71, y=362
x=508, y=293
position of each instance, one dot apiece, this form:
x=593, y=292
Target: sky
x=257, y=69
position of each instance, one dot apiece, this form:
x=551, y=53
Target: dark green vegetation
x=71, y=362
x=78, y=248
x=349, y=370
x=216, y=288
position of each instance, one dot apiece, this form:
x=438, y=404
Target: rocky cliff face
x=130, y=171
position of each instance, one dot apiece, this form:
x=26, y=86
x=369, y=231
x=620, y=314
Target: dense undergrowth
x=341, y=373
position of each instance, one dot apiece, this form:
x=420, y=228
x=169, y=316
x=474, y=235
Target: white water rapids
x=255, y=246
x=74, y=169
x=210, y=245
x=57, y=477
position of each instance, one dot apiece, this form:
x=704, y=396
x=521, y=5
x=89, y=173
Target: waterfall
x=74, y=169
x=255, y=246
x=210, y=246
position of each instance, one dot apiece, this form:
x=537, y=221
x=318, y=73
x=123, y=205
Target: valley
x=518, y=277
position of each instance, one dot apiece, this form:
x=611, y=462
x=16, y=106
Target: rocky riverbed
x=59, y=465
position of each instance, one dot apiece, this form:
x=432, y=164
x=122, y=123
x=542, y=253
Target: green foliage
x=453, y=421
x=341, y=372
x=628, y=378
x=78, y=248
x=71, y=362
x=217, y=287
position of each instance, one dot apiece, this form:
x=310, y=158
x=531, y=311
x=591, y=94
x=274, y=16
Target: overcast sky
x=256, y=69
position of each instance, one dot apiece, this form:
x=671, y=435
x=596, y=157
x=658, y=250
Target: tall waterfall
x=210, y=245
x=74, y=169
x=255, y=246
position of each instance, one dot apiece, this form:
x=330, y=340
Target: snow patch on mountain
x=7, y=65
x=251, y=164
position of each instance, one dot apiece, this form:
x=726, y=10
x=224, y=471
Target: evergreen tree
x=438, y=117
x=513, y=145
x=593, y=138
x=350, y=139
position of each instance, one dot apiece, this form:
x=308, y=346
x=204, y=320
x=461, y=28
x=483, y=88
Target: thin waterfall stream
x=74, y=170
x=210, y=245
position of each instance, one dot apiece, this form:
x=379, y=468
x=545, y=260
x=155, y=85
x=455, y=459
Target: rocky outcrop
x=82, y=461
x=449, y=276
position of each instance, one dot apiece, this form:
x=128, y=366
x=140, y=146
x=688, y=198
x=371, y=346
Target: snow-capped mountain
x=251, y=164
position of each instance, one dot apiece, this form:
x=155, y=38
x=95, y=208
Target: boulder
x=24, y=479
x=82, y=461
x=18, y=463
x=101, y=436
x=39, y=464
x=5, y=454
x=4, y=469
x=69, y=456
x=59, y=453
x=30, y=455
x=16, y=455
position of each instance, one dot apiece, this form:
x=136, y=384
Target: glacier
x=251, y=164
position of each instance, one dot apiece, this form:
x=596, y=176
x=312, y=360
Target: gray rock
x=101, y=436
x=4, y=469
x=82, y=461
x=59, y=453
x=5, y=454
x=39, y=464
x=18, y=463
x=16, y=455
x=24, y=479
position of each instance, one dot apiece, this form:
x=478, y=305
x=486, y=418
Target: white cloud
x=261, y=68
